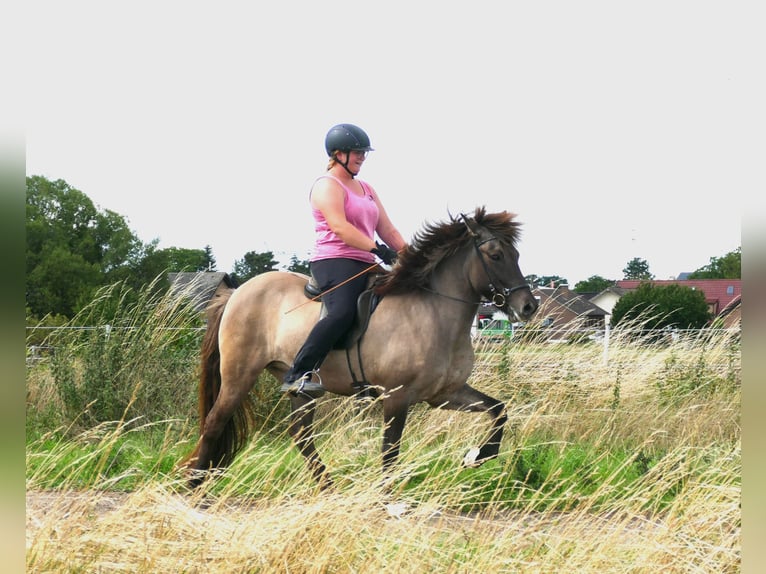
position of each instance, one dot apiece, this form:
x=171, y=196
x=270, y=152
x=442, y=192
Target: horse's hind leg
x=215, y=448
x=469, y=399
x=302, y=430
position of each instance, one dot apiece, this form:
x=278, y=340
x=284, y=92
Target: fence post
x=606, y=342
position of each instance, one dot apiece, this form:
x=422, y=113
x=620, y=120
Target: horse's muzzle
x=523, y=304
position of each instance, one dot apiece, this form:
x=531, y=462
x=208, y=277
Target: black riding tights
x=341, y=310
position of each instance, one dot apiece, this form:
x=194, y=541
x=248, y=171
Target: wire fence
x=36, y=352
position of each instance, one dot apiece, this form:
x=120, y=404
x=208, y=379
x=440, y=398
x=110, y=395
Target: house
x=719, y=293
x=730, y=316
x=200, y=286
x=608, y=298
x=562, y=310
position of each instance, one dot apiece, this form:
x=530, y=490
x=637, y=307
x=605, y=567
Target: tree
x=60, y=282
x=154, y=265
x=149, y=268
x=593, y=284
x=253, y=264
x=637, y=269
x=182, y=259
x=210, y=264
x=299, y=266
x=72, y=248
x=657, y=307
x=728, y=266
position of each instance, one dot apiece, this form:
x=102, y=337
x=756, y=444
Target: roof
x=619, y=291
x=720, y=291
x=200, y=286
x=731, y=306
x=572, y=301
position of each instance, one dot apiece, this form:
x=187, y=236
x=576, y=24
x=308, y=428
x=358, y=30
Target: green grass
x=629, y=464
x=109, y=456
x=536, y=474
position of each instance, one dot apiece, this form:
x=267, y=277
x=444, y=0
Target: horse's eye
x=496, y=256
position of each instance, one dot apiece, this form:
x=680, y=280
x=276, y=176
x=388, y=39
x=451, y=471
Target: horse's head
x=493, y=268
x=490, y=262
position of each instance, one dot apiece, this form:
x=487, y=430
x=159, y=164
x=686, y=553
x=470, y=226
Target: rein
x=370, y=268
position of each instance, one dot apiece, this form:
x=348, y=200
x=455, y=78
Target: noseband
x=499, y=296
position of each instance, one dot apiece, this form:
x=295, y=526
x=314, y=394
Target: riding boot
x=303, y=385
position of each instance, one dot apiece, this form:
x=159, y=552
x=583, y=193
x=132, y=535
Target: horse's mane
x=436, y=241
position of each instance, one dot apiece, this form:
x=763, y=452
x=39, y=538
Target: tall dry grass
x=630, y=464
x=126, y=354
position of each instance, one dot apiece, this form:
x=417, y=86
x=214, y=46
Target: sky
x=613, y=130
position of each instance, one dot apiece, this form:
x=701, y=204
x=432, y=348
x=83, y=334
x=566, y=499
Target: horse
x=416, y=348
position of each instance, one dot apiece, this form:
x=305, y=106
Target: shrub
x=663, y=306
x=119, y=359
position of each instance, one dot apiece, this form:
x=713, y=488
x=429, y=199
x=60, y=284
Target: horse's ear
x=471, y=225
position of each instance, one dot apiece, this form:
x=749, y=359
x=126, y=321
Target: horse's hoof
x=470, y=460
x=196, y=478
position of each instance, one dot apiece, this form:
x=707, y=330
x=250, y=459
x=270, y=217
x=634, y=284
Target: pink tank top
x=361, y=212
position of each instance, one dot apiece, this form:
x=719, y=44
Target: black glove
x=384, y=252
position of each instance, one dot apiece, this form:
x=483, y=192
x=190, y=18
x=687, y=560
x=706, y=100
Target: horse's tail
x=238, y=428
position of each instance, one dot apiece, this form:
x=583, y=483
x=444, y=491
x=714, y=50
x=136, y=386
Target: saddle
x=365, y=306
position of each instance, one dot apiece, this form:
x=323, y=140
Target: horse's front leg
x=469, y=399
x=395, y=416
x=302, y=430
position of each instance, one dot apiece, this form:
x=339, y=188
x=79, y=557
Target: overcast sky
x=614, y=130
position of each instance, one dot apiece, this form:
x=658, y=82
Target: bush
x=131, y=360
x=673, y=306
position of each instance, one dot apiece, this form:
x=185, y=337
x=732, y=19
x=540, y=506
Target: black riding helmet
x=345, y=137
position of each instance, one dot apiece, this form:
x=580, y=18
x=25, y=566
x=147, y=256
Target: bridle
x=499, y=296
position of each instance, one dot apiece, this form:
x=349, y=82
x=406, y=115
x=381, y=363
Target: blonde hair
x=333, y=159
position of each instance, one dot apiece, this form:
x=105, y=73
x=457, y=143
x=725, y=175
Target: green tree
x=182, y=259
x=299, y=266
x=72, y=248
x=728, y=266
x=60, y=281
x=253, y=264
x=657, y=307
x=151, y=264
x=210, y=264
x=154, y=264
x=637, y=269
x=593, y=284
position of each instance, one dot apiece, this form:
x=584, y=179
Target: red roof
x=718, y=292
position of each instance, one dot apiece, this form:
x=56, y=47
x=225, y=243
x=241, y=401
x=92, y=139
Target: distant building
x=731, y=315
x=608, y=298
x=200, y=286
x=561, y=309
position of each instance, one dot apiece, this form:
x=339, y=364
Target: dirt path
x=100, y=503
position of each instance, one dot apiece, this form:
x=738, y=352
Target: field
x=629, y=463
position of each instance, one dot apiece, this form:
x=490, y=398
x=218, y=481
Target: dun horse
x=417, y=347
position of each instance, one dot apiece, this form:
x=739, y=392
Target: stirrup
x=305, y=386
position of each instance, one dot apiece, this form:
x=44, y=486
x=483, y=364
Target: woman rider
x=347, y=214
